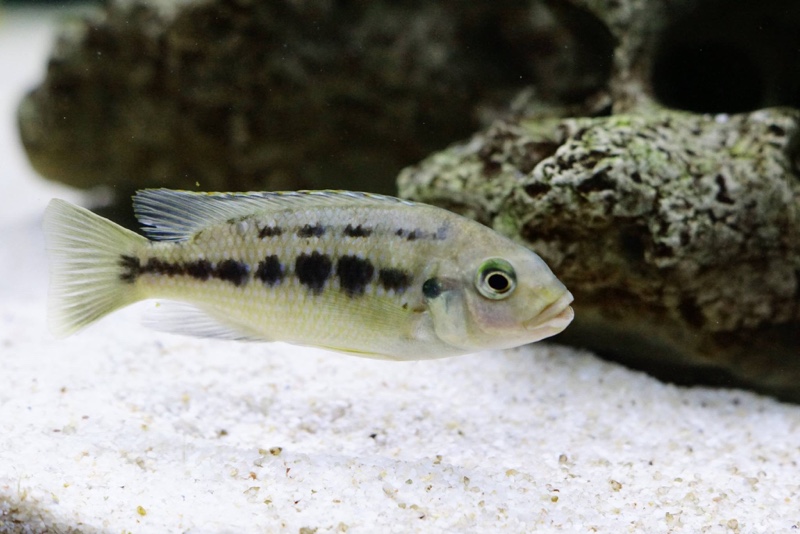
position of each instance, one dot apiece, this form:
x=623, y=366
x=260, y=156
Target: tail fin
x=84, y=252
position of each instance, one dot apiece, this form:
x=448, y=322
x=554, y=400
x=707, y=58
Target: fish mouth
x=555, y=317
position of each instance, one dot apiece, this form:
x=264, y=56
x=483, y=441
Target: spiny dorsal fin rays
x=171, y=215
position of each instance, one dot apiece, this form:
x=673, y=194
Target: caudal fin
x=84, y=251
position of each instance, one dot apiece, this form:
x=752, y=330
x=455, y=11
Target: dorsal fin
x=172, y=215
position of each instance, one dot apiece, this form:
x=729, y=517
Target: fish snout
x=556, y=316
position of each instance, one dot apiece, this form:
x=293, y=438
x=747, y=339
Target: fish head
x=485, y=301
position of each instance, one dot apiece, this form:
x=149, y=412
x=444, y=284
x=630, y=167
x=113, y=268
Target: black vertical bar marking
x=131, y=268
x=270, y=270
x=313, y=270
x=357, y=231
x=232, y=271
x=316, y=230
x=161, y=267
x=354, y=274
x=411, y=235
x=397, y=280
x=270, y=231
x=199, y=269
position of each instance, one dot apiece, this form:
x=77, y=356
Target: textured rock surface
x=678, y=234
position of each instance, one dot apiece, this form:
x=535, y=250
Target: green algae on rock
x=678, y=234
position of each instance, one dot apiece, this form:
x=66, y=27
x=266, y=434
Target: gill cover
x=448, y=309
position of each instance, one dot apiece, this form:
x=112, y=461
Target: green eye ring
x=495, y=279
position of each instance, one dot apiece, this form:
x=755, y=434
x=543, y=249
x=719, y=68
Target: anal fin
x=185, y=319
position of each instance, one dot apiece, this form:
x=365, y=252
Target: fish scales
x=299, y=300
x=344, y=271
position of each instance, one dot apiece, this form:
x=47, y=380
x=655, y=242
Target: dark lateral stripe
x=165, y=268
x=200, y=269
x=354, y=274
x=309, y=230
x=313, y=270
x=270, y=270
x=357, y=231
x=131, y=268
x=233, y=271
x=270, y=231
x=396, y=280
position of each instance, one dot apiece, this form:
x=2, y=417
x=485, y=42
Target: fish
x=358, y=273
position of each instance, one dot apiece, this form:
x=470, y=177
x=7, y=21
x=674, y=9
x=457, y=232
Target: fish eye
x=496, y=279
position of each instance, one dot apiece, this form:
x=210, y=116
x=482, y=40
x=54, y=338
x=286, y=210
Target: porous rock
x=699, y=55
x=678, y=234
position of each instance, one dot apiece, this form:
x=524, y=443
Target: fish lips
x=553, y=319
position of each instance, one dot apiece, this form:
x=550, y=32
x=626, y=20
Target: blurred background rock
x=236, y=95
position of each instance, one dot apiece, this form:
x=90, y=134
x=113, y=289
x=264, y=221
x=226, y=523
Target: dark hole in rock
x=692, y=313
x=708, y=77
x=723, y=196
x=599, y=181
x=631, y=241
x=537, y=189
x=776, y=130
x=533, y=153
x=730, y=56
x=566, y=49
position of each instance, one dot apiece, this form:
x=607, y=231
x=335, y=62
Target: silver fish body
x=352, y=272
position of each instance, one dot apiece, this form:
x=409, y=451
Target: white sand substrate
x=122, y=429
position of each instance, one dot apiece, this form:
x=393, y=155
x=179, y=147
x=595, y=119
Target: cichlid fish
x=359, y=273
